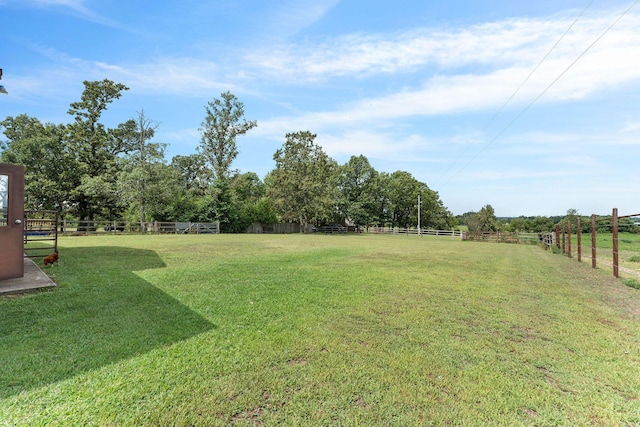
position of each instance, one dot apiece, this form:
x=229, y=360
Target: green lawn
x=352, y=330
x=628, y=252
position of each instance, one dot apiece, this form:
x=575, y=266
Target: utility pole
x=419, y=230
x=2, y=89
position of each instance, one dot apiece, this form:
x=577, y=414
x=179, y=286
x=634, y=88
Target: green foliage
x=635, y=258
x=96, y=150
x=194, y=176
x=632, y=283
x=72, y=168
x=51, y=169
x=357, y=191
x=223, y=123
x=538, y=224
x=484, y=221
x=91, y=172
x=303, y=184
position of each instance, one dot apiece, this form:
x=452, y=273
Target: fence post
x=564, y=238
x=579, y=236
x=569, y=238
x=615, y=241
x=558, y=236
x=593, y=241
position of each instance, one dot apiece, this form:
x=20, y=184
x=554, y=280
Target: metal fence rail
x=70, y=227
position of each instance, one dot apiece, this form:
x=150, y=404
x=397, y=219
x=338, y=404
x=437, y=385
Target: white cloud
x=453, y=81
x=166, y=75
x=509, y=43
x=77, y=7
x=290, y=17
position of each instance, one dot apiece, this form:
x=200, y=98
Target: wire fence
x=621, y=255
x=46, y=226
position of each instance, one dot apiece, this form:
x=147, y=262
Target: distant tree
x=465, y=217
x=401, y=191
x=303, y=183
x=484, y=221
x=146, y=183
x=541, y=224
x=520, y=224
x=433, y=213
x=194, y=176
x=223, y=123
x=357, y=191
x=248, y=187
x=251, y=201
x=403, y=198
x=382, y=203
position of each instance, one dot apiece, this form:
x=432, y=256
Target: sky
x=531, y=107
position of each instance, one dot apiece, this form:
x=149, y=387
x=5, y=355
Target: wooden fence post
x=615, y=241
x=593, y=241
x=564, y=238
x=569, y=239
x=579, y=236
x=558, y=236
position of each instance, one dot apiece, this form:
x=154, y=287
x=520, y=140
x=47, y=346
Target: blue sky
x=530, y=106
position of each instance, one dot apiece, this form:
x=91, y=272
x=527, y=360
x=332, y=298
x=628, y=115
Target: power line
x=544, y=91
x=523, y=82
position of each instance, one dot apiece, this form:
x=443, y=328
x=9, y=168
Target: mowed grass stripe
x=319, y=330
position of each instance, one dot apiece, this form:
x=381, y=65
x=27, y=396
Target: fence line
x=454, y=234
x=79, y=228
x=40, y=235
x=564, y=236
x=507, y=237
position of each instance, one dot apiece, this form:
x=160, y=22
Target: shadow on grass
x=101, y=313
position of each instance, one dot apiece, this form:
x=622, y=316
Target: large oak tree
x=303, y=183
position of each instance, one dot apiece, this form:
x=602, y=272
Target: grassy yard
x=628, y=252
x=319, y=330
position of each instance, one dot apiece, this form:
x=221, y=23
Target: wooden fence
x=508, y=237
x=564, y=239
x=454, y=234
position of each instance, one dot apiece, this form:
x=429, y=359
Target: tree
x=433, y=213
x=146, y=183
x=194, y=176
x=484, y=221
x=51, y=170
x=382, y=203
x=96, y=150
x=251, y=200
x=403, y=198
x=356, y=186
x=541, y=224
x=223, y=122
x=402, y=193
x=303, y=184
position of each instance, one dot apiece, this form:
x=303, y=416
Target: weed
x=632, y=283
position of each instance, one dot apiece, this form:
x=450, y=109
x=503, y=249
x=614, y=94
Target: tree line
x=88, y=171
x=485, y=220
